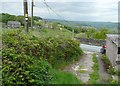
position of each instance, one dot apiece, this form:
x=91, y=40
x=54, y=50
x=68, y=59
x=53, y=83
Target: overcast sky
x=74, y=10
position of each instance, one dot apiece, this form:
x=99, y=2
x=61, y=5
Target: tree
x=38, y=23
x=101, y=34
x=7, y=17
x=90, y=32
x=36, y=18
x=20, y=19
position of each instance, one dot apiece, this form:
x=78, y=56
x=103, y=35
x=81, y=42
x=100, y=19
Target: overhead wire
x=44, y=2
x=48, y=11
x=61, y=18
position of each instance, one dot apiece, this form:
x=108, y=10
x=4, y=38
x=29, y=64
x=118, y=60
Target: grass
x=94, y=76
x=52, y=33
x=65, y=78
x=110, y=69
x=81, y=35
x=82, y=71
x=45, y=32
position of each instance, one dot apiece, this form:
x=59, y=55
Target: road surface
x=104, y=76
x=91, y=48
x=83, y=67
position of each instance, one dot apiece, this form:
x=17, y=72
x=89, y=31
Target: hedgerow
x=26, y=57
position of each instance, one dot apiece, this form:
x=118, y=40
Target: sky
x=73, y=10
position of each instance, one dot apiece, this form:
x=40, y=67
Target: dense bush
x=23, y=69
x=25, y=57
x=52, y=49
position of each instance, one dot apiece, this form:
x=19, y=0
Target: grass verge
x=94, y=76
x=113, y=71
x=61, y=77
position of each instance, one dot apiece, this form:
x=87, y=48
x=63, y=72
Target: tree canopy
x=5, y=17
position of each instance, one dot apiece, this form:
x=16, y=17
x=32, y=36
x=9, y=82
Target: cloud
x=63, y=0
x=81, y=10
x=12, y=8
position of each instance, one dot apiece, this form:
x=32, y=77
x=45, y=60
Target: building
x=47, y=24
x=13, y=24
x=113, y=48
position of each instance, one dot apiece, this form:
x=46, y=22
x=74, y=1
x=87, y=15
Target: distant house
x=37, y=26
x=113, y=48
x=13, y=24
x=47, y=24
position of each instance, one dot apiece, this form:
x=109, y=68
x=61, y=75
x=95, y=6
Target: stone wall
x=91, y=41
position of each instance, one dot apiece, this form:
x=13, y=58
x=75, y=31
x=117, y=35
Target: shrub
x=18, y=69
x=41, y=72
x=26, y=57
x=50, y=48
x=23, y=69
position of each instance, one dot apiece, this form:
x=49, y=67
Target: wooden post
x=32, y=4
x=26, y=15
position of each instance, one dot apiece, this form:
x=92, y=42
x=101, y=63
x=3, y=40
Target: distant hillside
x=98, y=25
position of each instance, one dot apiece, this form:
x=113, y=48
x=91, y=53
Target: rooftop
x=115, y=38
x=13, y=22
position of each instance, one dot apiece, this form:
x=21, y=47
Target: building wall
x=111, y=51
x=13, y=24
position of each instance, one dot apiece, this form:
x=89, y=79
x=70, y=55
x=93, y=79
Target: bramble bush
x=27, y=59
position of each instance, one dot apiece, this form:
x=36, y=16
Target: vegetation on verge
x=110, y=69
x=61, y=77
x=5, y=17
x=86, y=31
x=27, y=59
x=94, y=76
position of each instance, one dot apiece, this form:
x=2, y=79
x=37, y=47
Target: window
x=118, y=50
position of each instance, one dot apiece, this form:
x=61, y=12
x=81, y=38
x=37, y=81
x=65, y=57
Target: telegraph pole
x=32, y=4
x=26, y=15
